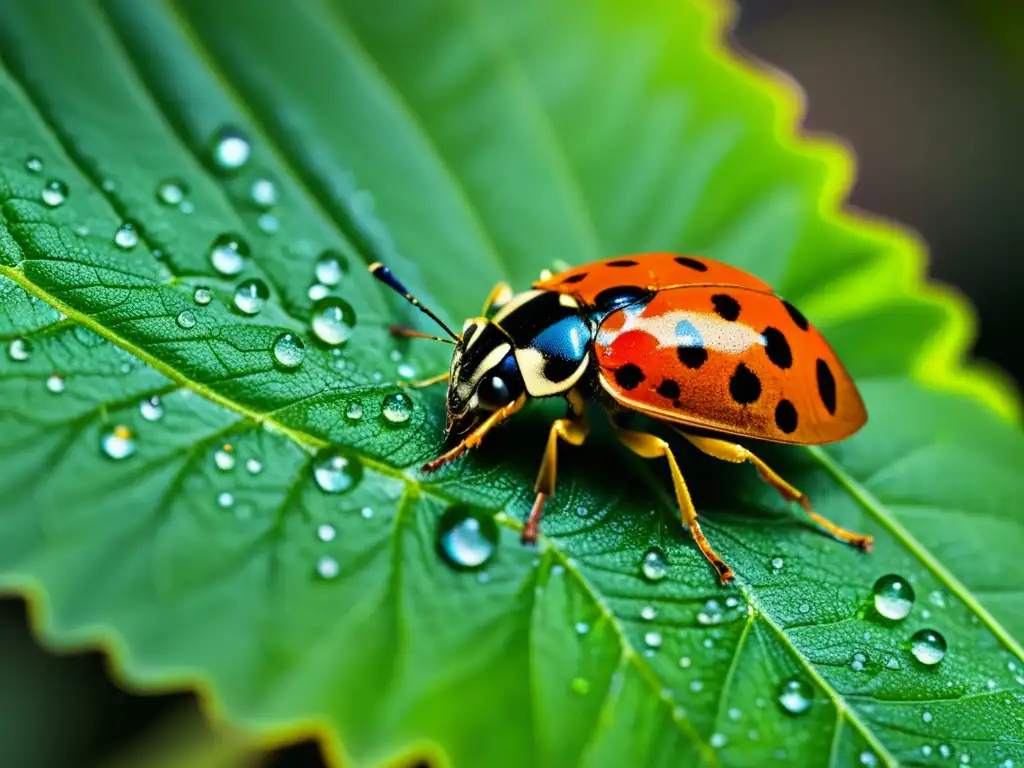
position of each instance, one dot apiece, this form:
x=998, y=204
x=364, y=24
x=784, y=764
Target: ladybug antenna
x=384, y=274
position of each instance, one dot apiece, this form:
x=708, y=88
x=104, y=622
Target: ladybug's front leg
x=474, y=438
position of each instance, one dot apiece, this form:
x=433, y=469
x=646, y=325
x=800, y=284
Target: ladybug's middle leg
x=497, y=298
x=574, y=431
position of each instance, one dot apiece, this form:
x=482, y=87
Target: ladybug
x=702, y=346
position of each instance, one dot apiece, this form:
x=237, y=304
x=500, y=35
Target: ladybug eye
x=493, y=392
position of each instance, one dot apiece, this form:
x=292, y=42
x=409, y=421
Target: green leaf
x=466, y=142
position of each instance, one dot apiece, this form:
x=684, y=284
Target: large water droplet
x=229, y=150
x=654, y=565
x=202, y=296
x=333, y=321
x=171, y=191
x=928, y=646
x=33, y=164
x=118, y=442
x=289, y=351
x=250, y=296
x=54, y=193
x=894, y=597
x=467, y=538
x=55, y=384
x=327, y=567
x=796, y=696
x=19, y=349
x=397, y=408
x=330, y=267
x=127, y=235
x=263, y=193
x=335, y=471
x=228, y=253
x=151, y=409
x=186, y=319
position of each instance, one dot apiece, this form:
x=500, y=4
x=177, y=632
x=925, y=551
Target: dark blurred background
x=930, y=93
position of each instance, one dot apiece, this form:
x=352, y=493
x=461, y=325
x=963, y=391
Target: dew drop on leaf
x=317, y=291
x=202, y=296
x=894, y=597
x=396, y=408
x=55, y=384
x=171, y=191
x=253, y=466
x=795, y=696
x=327, y=567
x=366, y=513
x=332, y=321
x=582, y=627
x=928, y=646
x=228, y=253
x=654, y=565
x=19, y=349
x=734, y=714
x=229, y=150
x=717, y=740
x=326, y=532
x=406, y=371
x=466, y=538
x=335, y=471
x=127, y=235
x=330, y=267
x=224, y=459
x=151, y=409
x=652, y=639
x=289, y=351
x=55, y=193
x=354, y=412
x=685, y=662
x=251, y=296
x=777, y=563
x=868, y=758
x=268, y=223
x=859, y=660
x=186, y=319
x=580, y=685
x=117, y=442
x=33, y=164
x=696, y=686
x=648, y=613
x=926, y=716
x=263, y=193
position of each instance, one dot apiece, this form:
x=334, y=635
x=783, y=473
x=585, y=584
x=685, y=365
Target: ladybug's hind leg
x=652, y=447
x=726, y=451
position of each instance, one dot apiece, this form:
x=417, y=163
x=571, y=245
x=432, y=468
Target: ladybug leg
x=726, y=451
x=574, y=431
x=474, y=438
x=426, y=382
x=651, y=447
x=499, y=296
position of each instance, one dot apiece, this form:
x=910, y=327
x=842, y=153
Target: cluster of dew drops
x=332, y=319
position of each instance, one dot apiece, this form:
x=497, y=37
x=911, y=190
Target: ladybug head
x=484, y=377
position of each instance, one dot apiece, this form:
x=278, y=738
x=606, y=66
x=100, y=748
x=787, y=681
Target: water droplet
x=926, y=716
x=648, y=613
x=582, y=627
x=406, y=371
x=777, y=563
x=289, y=351
x=804, y=608
x=171, y=191
x=333, y=321
x=652, y=639
x=55, y=193
x=268, y=223
x=354, y=412
x=326, y=532
x=397, y=408
x=55, y=384
x=108, y=185
x=654, y=565
x=926, y=750
x=229, y=150
x=734, y=714
x=335, y=471
x=868, y=758
x=118, y=442
x=944, y=750
x=317, y=291
x=685, y=662
x=796, y=696
x=127, y=235
x=228, y=253
x=186, y=319
x=859, y=660
x=224, y=459
x=965, y=758
x=928, y=646
x=717, y=740
x=202, y=296
x=366, y=513
x=253, y=466
x=225, y=500
x=250, y=296
x=186, y=206
x=264, y=193
x=894, y=597
x=330, y=267
x=696, y=686
x=19, y=349
x=580, y=685
x=892, y=663
x=327, y=567
x=467, y=538
x=33, y=164
x=582, y=511
x=151, y=409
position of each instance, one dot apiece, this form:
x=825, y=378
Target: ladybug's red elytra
x=702, y=346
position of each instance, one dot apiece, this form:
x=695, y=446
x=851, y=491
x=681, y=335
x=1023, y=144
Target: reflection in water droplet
x=894, y=597
x=327, y=567
x=397, y=408
x=33, y=164
x=186, y=319
x=171, y=191
x=796, y=696
x=127, y=235
x=354, y=412
x=118, y=442
x=228, y=253
x=654, y=565
x=289, y=351
x=202, y=296
x=263, y=193
x=333, y=321
x=19, y=349
x=254, y=466
x=928, y=646
x=326, y=532
x=335, y=471
x=330, y=267
x=151, y=409
x=225, y=500
x=229, y=149
x=54, y=193
x=224, y=459
x=467, y=538
x=55, y=384
x=251, y=296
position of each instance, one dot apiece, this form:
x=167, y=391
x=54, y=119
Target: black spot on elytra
x=669, y=389
x=629, y=376
x=575, y=278
x=620, y=296
x=692, y=357
x=744, y=386
x=826, y=386
x=621, y=263
x=785, y=417
x=686, y=261
x=777, y=347
x=797, y=315
x=726, y=306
